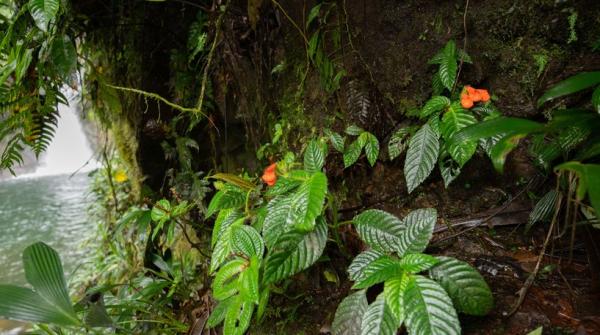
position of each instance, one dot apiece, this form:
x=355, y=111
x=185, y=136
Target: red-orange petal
x=466, y=102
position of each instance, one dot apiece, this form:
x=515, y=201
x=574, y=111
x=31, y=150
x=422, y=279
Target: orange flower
x=269, y=176
x=466, y=102
x=485, y=96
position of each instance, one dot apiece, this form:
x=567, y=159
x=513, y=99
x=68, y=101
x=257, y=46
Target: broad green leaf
x=222, y=249
x=282, y=186
x=465, y=286
x=352, y=152
x=43, y=12
x=226, y=283
x=64, y=56
x=496, y=126
x=225, y=218
x=393, y=291
x=571, y=85
x=421, y=156
x=543, y=208
x=296, y=252
x=161, y=210
x=433, y=105
x=229, y=197
x=378, y=319
x=379, y=271
x=380, y=230
x=308, y=200
x=372, y=149
x=313, y=14
x=415, y=263
x=238, y=316
x=218, y=313
x=398, y=143
x=247, y=241
x=280, y=218
x=453, y=121
x=50, y=302
x=360, y=262
x=337, y=141
x=44, y=271
x=436, y=84
x=418, y=229
x=448, y=66
x=537, y=331
x=314, y=156
x=501, y=149
x=349, y=314
x=354, y=130
x=23, y=304
x=428, y=308
x=248, y=281
x=263, y=301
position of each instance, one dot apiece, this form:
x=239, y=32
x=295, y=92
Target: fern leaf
x=465, y=286
x=379, y=319
x=421, y=156
x=379, y=229
x=428, y=308
x=296, y=252
x=349, y=314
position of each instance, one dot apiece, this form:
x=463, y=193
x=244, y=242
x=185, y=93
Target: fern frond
x=11, y=155
x=44, y=127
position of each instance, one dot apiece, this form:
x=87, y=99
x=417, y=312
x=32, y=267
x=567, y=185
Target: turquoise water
x=51, y=209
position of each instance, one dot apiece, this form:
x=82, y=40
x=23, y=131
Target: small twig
x=531, y=278
x=464, y=46
x=292, y=22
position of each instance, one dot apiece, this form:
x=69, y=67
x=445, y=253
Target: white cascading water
x=69, y=150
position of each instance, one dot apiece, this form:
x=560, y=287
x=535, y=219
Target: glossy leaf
x=449, y=169
x=337, y=141
x=372, y=148
x=280, y=219
x=360, y=262
x=380, y=230
x=379, y=271
x=428, y=309
x=248, y=282
x=501, y=150
x=571, y=85
x=378, y=319
x=218, y=313
x=453, y=121
x=247, y=241
x=448, y=66
x=496, y=126
x=415, y=263
x=352, y=152
x=349, y=314
x=314, y=156
x=222, y=248
x=433, y=105
x=229, y=197
x=418, y=230
x=465, y=286
x=393, y=291
x=296, y=252
x=226, y=283
x=43, y=12
x=308, y=200
x=421, y=156
x=238, y=316
x=354, y=130
x=398, y=141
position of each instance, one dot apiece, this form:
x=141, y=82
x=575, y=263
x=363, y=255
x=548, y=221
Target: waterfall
x=69, y=150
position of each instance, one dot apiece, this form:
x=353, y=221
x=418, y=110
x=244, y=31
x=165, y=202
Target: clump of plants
x=425, y=304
